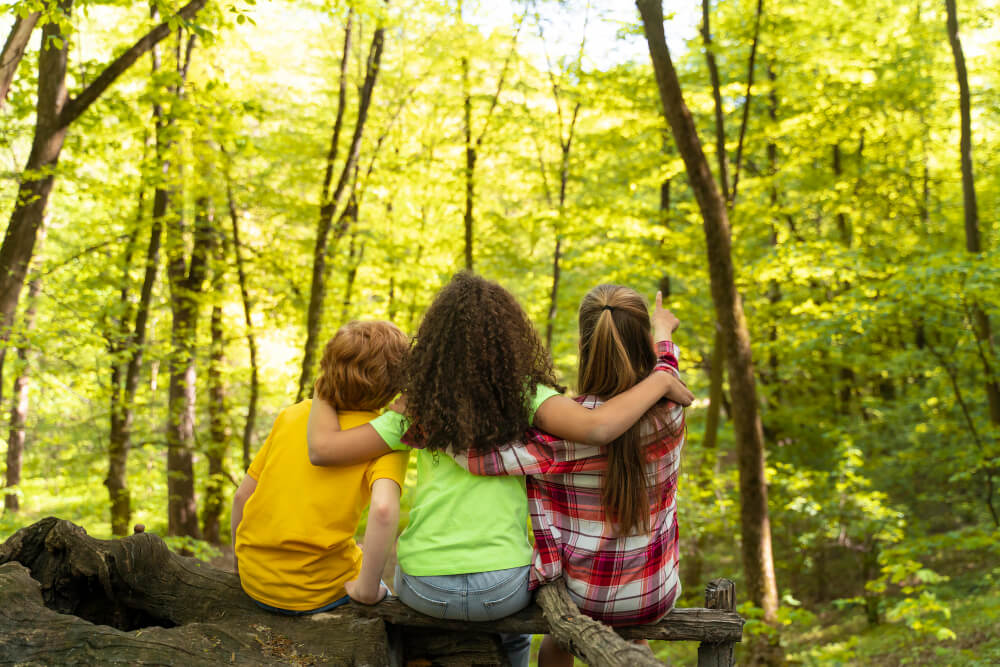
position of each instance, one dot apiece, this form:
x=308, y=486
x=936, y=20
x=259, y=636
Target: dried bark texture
x=590, y=640
x=71, y=599
x=754, y=519
x=707, y=625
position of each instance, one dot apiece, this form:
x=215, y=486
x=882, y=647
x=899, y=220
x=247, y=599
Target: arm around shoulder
x=328, y=445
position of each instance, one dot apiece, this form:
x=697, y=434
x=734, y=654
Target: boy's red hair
x=362, y=364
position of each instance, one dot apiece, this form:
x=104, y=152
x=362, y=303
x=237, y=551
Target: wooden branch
x=706, y=625
x=13, y=51
x=119, y=65
x=719, y=594
x=590, y=640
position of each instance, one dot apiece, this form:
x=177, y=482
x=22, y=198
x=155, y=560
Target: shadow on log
x=67, y=598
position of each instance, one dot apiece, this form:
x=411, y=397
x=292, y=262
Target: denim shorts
x=291, y=612
x=478, y=596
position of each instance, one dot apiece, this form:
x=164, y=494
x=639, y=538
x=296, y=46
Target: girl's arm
x=383, y=519
x=567, y=419
x=329, y=446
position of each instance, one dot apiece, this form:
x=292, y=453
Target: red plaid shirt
x=621, y=580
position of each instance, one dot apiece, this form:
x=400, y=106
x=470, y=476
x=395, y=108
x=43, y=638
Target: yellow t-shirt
x=295, y=544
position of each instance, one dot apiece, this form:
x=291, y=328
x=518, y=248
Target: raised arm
x=567, y=419
x=329, y=446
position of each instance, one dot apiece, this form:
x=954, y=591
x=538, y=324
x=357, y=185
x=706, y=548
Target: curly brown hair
x=362, y=366
x=473, y=367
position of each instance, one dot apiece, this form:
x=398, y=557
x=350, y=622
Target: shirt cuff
x=667, y=354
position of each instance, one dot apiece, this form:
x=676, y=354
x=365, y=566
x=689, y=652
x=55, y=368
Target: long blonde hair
x=616, y=352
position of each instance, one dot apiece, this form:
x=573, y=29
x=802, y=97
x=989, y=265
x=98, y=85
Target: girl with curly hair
x=604, y=518
x=477, y=375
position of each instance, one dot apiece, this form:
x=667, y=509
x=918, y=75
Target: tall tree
x=55, y=112
x=13, y=50
x=248, y=425
x=218, y=413
x=330, y=201
x=474, y=141
x=19, y=403
x=758, y=559
x=981, y=321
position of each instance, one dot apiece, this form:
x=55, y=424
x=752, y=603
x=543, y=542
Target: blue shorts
x=477, y=596
x=290, y=612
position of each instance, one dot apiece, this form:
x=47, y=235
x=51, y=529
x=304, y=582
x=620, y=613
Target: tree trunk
x=720, y=127
x=35, y=188
x=716, y=376
x=218, y=410
x=248, y=427
x=470, y=163
x=68, y=598
x=981, y=321
x=55, y=112
x=19, y=403
x=186, y=281
x=13, y=51
x=330, y=203
x=758, y=561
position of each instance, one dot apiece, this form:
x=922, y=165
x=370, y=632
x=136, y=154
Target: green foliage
x=883, y=463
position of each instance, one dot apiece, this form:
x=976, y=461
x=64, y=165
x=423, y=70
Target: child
x=477, y=375
x=604, y=518
x=293, y=523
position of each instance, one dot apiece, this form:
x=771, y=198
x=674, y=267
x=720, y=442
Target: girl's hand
x=678, y=392
x=354, y=590
x=664, y=321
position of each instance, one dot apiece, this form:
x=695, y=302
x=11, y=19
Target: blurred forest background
x=199, y=195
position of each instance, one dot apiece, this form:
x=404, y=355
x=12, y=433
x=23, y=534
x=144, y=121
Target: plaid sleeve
x=667, y=353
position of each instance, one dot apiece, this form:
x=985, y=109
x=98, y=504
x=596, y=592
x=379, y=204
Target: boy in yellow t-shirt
x=293, y=523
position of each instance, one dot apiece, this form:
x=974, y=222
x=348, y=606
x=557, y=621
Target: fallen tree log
x=67, y=598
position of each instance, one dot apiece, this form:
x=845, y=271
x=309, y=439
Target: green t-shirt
x=461, y=523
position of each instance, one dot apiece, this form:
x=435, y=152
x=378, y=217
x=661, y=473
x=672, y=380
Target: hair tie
x=611, y=308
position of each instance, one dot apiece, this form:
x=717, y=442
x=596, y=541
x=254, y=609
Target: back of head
x=474, y=363
x=362, y=365
x=616, y=352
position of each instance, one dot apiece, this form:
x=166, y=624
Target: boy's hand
x=678, y=392
x=664, y=321
x=354, y=590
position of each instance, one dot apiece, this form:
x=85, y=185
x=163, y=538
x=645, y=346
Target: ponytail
x=616, y=352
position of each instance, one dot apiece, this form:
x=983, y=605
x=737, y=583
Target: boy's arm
x=383, y=519
x=243, y=493
x=329, y=446
x=567, y=419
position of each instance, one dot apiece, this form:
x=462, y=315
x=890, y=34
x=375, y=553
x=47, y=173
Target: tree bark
x=981, y=321
x=13, y=51
x=720, y=127
x=19, y=403
x=218, y=410
x=187, y=277
x=251, y=418
x=758, y=561
x=55, y=111
x=331, y=202
x=565, y=144
x=68, y=598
